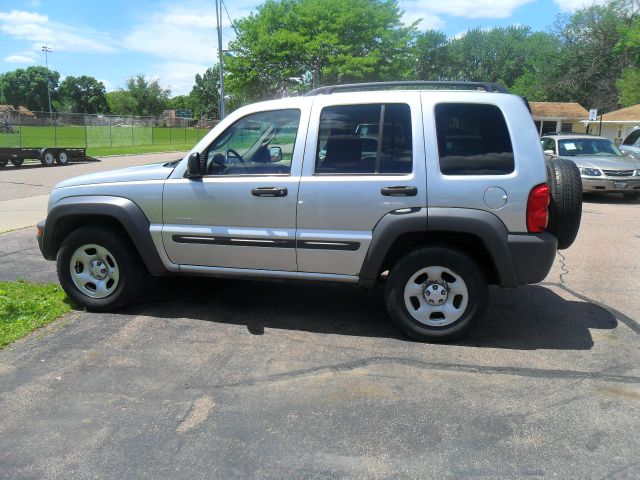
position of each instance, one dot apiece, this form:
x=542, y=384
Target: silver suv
x=450, y=196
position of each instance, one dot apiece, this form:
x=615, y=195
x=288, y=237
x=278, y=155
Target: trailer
x=48, y=156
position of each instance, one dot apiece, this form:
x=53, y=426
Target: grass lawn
x=102, y=151
x=100, y=136
x=26, y=306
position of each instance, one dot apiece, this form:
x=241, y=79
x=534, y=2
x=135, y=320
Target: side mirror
x=549, y=152
x=275, y=153
x=194, y=168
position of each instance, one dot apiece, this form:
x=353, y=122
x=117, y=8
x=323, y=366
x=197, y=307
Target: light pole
x=46, y=50
x=220, y=60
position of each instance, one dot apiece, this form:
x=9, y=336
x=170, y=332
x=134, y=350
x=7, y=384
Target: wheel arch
x=111, y=212
x=478, y=233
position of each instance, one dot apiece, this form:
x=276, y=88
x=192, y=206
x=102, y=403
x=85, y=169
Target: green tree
x=205, y=94
x=84, y=94
x=180, y=102
x=121, y=102
x=148, y=96
x=589, y=63
x=629, y=87
x=28, y=87
x=432, y=55
x=293, y=45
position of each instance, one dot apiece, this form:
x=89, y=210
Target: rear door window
x=365, y=140
x=473, y=139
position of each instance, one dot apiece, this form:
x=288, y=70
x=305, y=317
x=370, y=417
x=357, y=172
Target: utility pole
x=220, y=60
x=47, y=50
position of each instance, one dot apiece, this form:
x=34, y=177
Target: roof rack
x=419, y=84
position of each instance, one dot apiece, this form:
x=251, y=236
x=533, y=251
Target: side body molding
x=120, y=209
x=485, y=226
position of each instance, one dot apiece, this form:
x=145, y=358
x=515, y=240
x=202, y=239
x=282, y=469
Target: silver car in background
x=631, y=144
x=603, y=166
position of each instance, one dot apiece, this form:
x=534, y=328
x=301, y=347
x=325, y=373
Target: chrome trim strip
x=263, y=242
x=273, y=274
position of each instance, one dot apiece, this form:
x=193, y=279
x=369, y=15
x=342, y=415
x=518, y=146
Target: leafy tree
x=121, y=102
x=293, y=45
x=28, y=87
x=180, y=102
x=629, y=86
x=148, y=96
x=432, y=55
x=205, y=94
x=84, y=94
x=589, y=67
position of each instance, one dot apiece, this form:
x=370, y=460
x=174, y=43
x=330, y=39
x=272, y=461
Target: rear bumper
x=620, y=185
x=532, y=256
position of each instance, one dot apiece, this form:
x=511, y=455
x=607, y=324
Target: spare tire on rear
x=565, y=206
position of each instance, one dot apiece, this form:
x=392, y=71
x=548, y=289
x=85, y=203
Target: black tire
x=47, y=158
x=631, y=195
x=456, y=261
x=17, y=161
x=3, y=162
x=565, y=207
x=62, y=158
x=131, y=270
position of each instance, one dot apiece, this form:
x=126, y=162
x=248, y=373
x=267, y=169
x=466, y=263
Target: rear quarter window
x=473, y=139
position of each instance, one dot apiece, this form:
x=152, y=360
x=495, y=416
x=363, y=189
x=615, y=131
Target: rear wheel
x=436, y=293
x=98, y=269
x=3, y=162
x=62, y=158
x=17, y=161
x=47, y=159
x=565, y=206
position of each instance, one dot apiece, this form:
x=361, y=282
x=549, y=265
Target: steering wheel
x=231, y=153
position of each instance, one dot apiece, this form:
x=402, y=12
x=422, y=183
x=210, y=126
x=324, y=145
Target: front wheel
x=436, y=293
x=98, y=269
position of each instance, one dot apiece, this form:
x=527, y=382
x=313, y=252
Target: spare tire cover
x=565, y=206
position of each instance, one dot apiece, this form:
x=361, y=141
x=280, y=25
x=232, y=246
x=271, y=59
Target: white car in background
x=631, y=144
x=603, y=166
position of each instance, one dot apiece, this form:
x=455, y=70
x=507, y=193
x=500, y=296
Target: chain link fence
x=41, y=129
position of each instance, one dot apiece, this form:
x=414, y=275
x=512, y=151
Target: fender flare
x=124, y=211
x=488, y=228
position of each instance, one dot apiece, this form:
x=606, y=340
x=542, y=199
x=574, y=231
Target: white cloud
x=178, y=76
x=572, y=5
x=426, y=20
x=40, y=30
x=17, y=58
x=464, y=8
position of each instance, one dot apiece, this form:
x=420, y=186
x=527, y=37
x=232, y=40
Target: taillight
x=537, y=213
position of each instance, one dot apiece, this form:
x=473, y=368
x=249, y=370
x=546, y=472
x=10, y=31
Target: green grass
x=103, y=151
x=26, y=306
x=100, y=136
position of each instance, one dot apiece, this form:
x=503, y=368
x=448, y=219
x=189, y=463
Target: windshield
x=588, y=147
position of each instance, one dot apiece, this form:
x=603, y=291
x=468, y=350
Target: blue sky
x=172, y=41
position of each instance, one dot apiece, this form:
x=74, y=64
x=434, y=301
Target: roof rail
x=419, y=85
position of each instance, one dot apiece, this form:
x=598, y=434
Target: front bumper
x=40, y=235
x=532, y=256
x=608, y=184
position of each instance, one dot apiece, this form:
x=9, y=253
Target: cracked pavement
x=209, y=378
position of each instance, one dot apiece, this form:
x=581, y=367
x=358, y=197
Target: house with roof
x=552, y=117
x=618, y=124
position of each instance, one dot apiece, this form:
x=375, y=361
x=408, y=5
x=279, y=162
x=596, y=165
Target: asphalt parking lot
x=212, y=378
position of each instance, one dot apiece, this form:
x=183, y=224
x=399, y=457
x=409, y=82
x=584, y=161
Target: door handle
x=269, y=191
x=400, y=191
